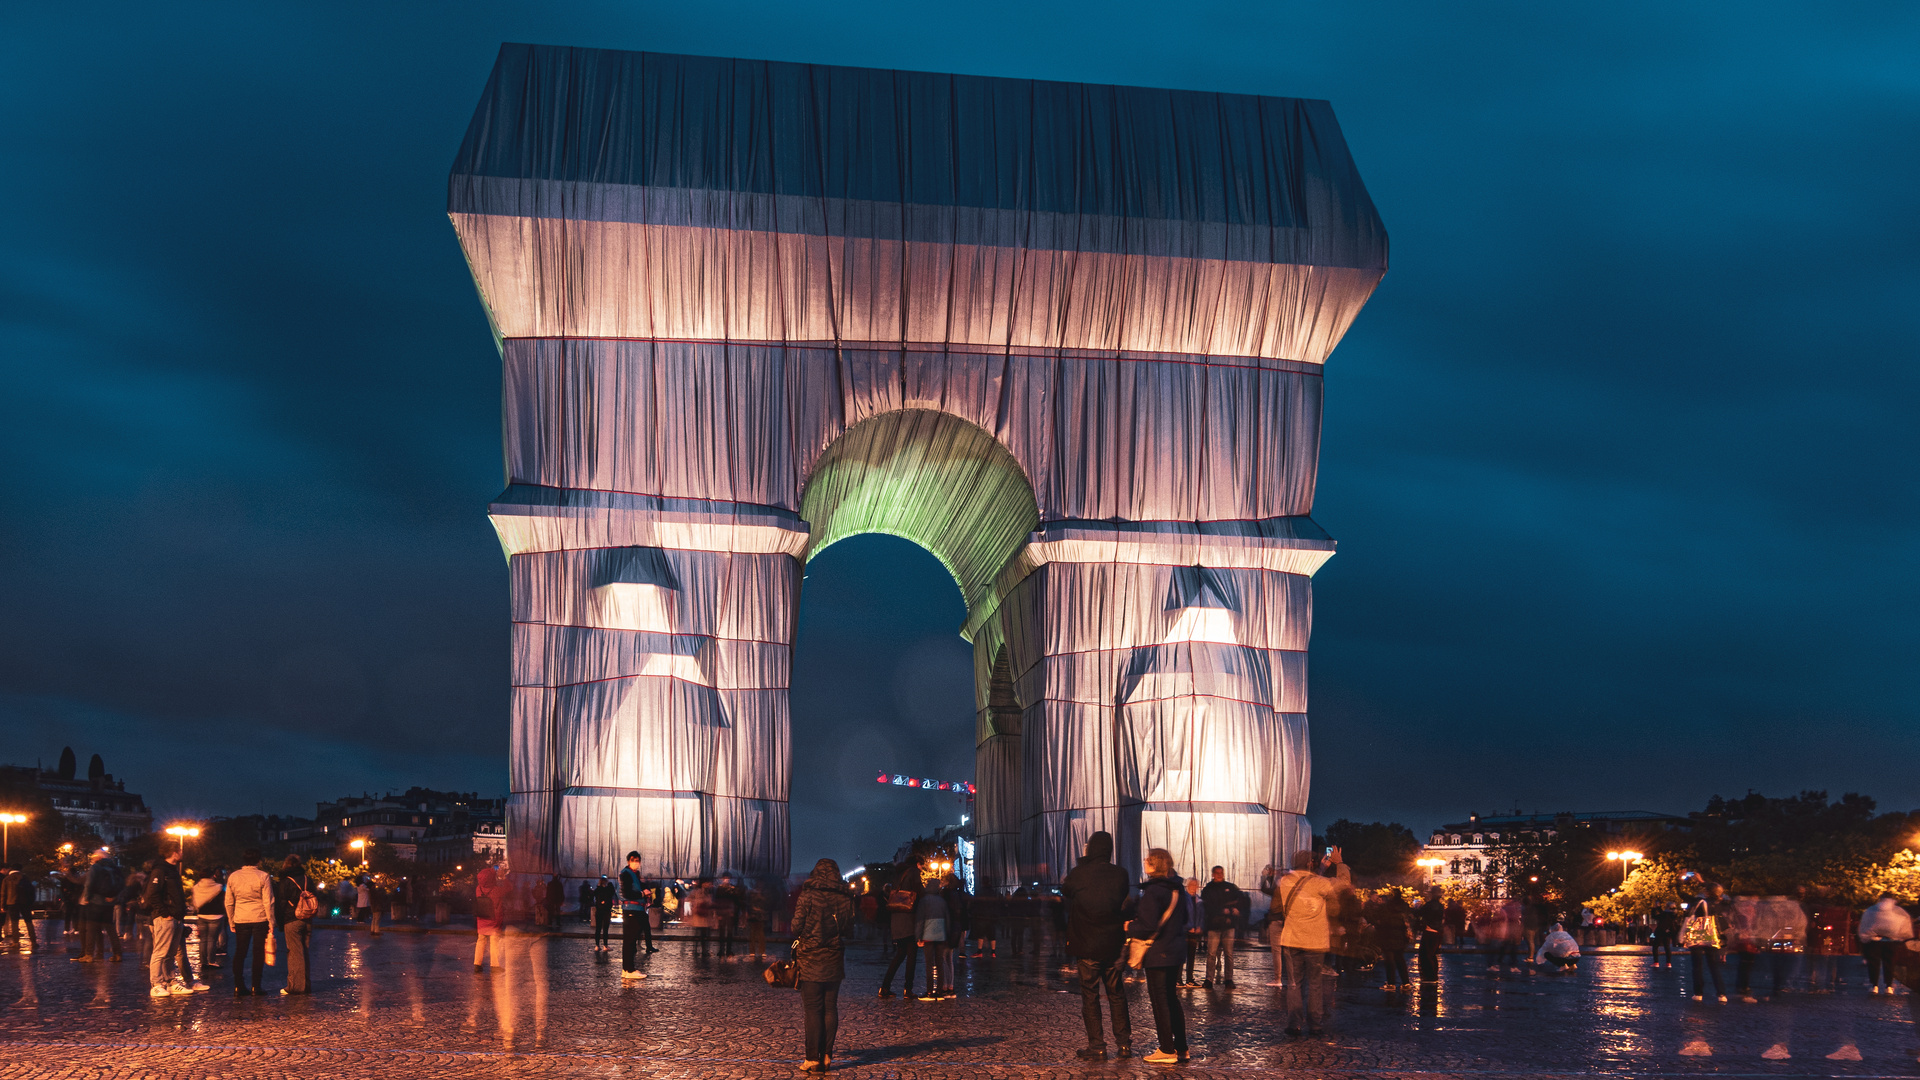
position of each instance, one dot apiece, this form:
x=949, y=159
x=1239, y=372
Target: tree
x=1653, y=884
x=1374, y=850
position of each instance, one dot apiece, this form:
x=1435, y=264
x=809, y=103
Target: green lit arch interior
x=929, y=477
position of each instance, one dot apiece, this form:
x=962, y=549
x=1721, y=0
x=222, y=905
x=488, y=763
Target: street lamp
x=1429, y=865
x=7, y=822
x=182, y=832
x=1626, y=860
x=361, y=846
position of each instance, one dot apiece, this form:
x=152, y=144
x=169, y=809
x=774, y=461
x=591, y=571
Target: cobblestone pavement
x=410, y=1005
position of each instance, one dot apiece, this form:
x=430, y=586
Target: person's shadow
x=906, y=1051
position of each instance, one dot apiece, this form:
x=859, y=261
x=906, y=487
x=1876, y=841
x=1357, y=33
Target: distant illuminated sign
x=925, y=784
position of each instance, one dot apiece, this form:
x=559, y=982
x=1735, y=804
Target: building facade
x=421, y=825
x=95, y=803
x=1463, y=849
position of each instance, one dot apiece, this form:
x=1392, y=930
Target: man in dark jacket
x=166, y=902
x=97, y=894
x=1095, y=893
x=1225, y=905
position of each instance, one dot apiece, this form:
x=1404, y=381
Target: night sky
x=1621, y=456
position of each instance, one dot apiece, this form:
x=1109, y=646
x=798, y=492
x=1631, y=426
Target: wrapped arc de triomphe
x=1067, y=338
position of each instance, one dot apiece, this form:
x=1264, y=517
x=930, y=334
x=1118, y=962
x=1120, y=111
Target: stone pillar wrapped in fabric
x=1067, y=338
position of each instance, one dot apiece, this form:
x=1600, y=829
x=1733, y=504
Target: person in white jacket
x=1559, y=950
x=250, y=913
x=1882, y=928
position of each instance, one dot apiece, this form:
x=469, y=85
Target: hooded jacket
x=1886, y=920
x=822, y=919
x=1095, y=893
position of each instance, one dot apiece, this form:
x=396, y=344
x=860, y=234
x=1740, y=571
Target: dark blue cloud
x=1621, y=456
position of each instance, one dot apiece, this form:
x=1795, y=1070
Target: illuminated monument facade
x=1067, y=338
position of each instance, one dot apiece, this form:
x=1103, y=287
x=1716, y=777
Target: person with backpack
x=901, y=900
x=822, y=920
x=295, y=906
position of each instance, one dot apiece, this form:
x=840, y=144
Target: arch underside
x=733, y=335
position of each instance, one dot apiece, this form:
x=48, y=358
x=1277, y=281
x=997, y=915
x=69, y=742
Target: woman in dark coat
x=1168, y=932
x=823, y=919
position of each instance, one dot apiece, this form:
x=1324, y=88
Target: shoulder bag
x=1700, y=931
x=1137, y=947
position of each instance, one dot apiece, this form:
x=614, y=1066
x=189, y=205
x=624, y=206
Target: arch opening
x=928, y=477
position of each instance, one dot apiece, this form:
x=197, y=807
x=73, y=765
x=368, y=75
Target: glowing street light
x=1626, y=860
x=182, y=832
x=1430, y=866
x=361, y=846
x=7, y=822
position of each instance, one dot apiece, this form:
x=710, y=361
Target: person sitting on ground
x=1559, y=950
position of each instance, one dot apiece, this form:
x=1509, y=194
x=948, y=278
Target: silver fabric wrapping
x=1067, y=338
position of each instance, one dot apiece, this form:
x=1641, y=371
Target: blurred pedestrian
x=599, y=908
x=1391, y=934
x=1304, y=899
x=1704, y=933
x=1884, y=927
x=901, y=899
x=1666, y=931
x=489, y=915
x=930, y=935
x=98, y=891
x=1225, y=905
x=1160, y=919
x=1095, y=892
x=822, y=920
x=208, y=906
x=17, y=895
x=759, y=912
x=1196, y=932
x=1432, y=917
x=1559, y=951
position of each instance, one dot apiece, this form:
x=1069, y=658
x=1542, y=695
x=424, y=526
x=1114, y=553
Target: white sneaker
x=633, y=974
x=199, y=986
x=180, y=989
x=159, y=991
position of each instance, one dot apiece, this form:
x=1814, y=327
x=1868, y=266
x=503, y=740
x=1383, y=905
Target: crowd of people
x=1116, y=930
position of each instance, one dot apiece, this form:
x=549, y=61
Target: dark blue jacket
x=1169, y=947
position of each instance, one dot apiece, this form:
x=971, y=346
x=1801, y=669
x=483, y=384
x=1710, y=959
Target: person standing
x=822, y=921
x=556, y=899
x=901, y=899
x=251, y=914
x=1303, y=899
x=1196, y=932
x=97, y=893
x=166, y=904
x=633, y=916
x=1225, y=905
x=1095, y=892
x=207, y=904
x=1883, y=928
x=586, y=900
x=294, y=906
x=959, y=920
x=1704, y=933
x=759, y=913
x=1666, y=928
x=598, y=903
x=489, y=912
x=930, y=934
x=1432, y=917
x=1388, y=914
x=1160, y=918
x=17, y=893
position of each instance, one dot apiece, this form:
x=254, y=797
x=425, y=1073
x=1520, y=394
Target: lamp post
x=181, y=832
x=1626, y=860
x=361, y=847
x=7, y=822
x=1428, y=865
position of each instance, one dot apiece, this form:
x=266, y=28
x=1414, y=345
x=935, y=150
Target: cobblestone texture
x=410, y=1005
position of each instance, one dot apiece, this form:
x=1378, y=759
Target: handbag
x=1700, y=931
x=1137, y=947
x=782, y=973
